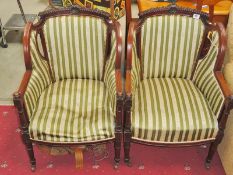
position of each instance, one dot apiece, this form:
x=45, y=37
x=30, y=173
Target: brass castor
x=128, y=162
x=116, y=165
x=3, y=45
x=33, y=168
x=207, y=164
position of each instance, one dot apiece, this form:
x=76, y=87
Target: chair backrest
x=76, y=44
x=170, y=45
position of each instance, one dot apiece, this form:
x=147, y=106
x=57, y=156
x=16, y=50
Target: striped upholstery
x=167, y=105
x=80, y=105
x=170, y=45
x=109, y=76
x=136, y=68
x=73, y=110
x=39, y=80
x=205, y=80
x=76, y=46
x=171, y=110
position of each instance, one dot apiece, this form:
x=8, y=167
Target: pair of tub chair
x=72, y=92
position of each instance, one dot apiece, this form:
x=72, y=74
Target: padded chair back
x=76, y=46
x=170, y=45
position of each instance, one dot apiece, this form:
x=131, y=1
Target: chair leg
x=127, y=138
x=213, y=149
x=24, y=129
x=29, y=148
x=117, y=146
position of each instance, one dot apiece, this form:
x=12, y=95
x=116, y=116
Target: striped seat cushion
x=170, y=44
x=74, y=110
x=171, y=110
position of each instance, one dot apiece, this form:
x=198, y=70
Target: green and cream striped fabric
x=205, y=80
x=109, y=74
x=76, y=46
x=73, y=110
x=135, y=71
x=171, y=110
x=170, y=45
x=39, y=80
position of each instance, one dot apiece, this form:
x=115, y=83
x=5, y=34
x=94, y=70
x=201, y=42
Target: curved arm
x=205, y=76
x=128, y=12
x=228, y=102
x=119, y=89
x=223, y=84
x=18, y=98
x=130, y=67
x=26, y=46
x=112, y=72
x=36, y=78
x=222, y=46
x=24, y=83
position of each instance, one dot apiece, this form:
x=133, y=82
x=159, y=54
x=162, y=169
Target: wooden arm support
x=19, y=94
x=128, y=12
x=222, y=46
x=119, y=88
x=24, y=83
x=130, y=38
x=26, y=46
x=228, y=103
x=223, y=84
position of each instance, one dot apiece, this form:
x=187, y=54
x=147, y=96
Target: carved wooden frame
x=135, y=27
x=199, y=5
x=18, y=96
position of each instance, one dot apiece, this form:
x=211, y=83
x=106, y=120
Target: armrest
x=24, y=83
x=18, y=98
x=228, y=101
x=207, y=75
x=118, y=75
x=112, y=72
x=132, y=62
x=128, y=12
x=113, y=77
x=36, y=78
x=223, y=84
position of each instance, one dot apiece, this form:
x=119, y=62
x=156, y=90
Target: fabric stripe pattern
x=170, y=44
x=73, y=110
x=76, y=46
x=205, y=80
x=79, y=105
x=171, y=110
x=40, y=77
x=109, y=74
x=136, y=68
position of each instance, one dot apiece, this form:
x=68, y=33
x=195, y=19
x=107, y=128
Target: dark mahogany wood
x=135, y=27
x=112, y=26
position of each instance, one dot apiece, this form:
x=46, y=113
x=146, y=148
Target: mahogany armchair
x=176, y=94
x=71, y=93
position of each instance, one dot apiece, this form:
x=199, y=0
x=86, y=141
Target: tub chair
x=71, y=93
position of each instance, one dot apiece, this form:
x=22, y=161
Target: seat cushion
x=73, y=110
x=170, y=110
